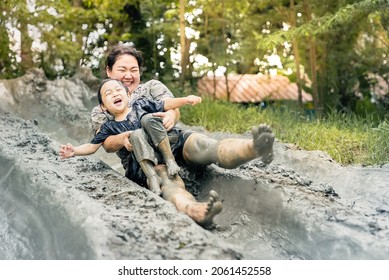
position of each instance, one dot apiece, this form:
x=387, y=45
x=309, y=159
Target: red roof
x=250, y=88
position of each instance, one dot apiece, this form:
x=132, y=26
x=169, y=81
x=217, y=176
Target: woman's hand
x=168, y=118
x=126, y=141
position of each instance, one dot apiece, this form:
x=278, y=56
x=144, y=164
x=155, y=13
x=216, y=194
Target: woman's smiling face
x=126, y=70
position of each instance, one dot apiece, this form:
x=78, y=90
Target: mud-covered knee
x=149, y=120
x=145, y=119
x=136, y=136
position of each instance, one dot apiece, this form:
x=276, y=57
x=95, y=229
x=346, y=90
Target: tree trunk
x=312, y=60
x=224, y=31
x=184, y=44
x=25, y=47
x=25, y=40
x=77, y=61
x=296, y=54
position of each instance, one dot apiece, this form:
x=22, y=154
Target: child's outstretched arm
x=68, y=150
x=173, y=103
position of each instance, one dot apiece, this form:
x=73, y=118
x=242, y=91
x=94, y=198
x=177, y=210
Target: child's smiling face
x=114, y=96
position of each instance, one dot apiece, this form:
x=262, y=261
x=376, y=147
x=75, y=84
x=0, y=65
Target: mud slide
x=302, y=206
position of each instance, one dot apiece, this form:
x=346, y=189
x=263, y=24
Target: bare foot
x=172, y=167
x=154, y=183
x=263, y=142
x=175, y=192
x=206, y=211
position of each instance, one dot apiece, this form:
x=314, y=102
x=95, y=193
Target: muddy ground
x=302, y=206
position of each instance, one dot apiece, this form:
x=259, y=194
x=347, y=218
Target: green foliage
x=333, y=19
x=8, y=65
x=350, y=40
x=348, y=139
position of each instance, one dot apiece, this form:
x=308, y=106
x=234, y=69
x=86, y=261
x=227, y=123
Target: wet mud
x=302, y=206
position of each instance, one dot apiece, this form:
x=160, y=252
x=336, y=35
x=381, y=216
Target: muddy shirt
x=138, y=107
x=152, y=89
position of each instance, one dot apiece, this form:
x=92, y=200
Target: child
x=135, y=118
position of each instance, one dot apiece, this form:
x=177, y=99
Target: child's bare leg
x=166, y=151
x=153, y=180
x=173, y=190
x=232, y=152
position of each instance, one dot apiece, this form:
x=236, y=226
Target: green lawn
x=347, y=139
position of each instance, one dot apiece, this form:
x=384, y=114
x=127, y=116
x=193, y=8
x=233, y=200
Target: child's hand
x=66, y=151
x=193, y=99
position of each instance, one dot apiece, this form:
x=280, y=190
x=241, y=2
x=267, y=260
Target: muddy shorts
x=177, y=138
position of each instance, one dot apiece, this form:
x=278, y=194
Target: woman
x=125, y=63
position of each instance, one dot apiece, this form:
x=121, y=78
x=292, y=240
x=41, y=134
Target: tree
x=8, y=61
x=312, y=59
x=338, y=43
x=336, y=27
x=220, y=26
x=184, y=42
x=296, y=54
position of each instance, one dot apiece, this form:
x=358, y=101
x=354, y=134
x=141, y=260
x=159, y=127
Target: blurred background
x=321, y=67
x=336, y=51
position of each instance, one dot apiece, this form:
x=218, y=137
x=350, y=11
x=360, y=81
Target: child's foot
x=263, y=142
x=154, y=183
x=172, y=168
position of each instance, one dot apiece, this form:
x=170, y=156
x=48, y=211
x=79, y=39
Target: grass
x=346, y=138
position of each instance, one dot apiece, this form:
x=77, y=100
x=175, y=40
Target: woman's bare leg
x=200, y=149
x=173, y=190
x=153, y=180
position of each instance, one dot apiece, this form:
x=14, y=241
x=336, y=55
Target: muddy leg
x=158, y=136
x=153, y=180
x=173, y=190
x=232, y=152
x=263, y=142
x=166, y=151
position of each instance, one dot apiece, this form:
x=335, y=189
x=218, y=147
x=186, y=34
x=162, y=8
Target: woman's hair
x=99, y=98
x=123, y=49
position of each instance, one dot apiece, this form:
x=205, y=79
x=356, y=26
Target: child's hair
x=99, y=98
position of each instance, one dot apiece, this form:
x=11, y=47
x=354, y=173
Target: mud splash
x=302, y=206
